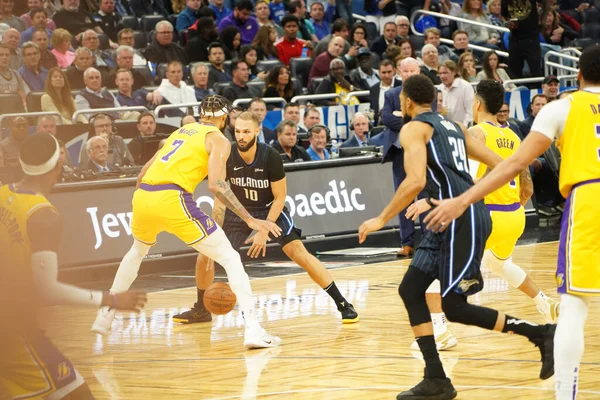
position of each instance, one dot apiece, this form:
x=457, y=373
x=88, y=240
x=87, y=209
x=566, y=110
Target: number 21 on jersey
x=459, y=153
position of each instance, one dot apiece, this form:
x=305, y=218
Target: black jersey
x=447, y=162
x=251, y=183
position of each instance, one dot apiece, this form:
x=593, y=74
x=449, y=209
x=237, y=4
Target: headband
x=37, y=170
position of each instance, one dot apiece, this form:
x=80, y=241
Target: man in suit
x=259, y=109
x=360, y=125
x=391, y=117
x=387, y=74
x=97, y=151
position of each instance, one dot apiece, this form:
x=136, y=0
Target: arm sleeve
x=275, y=166
x=551, y=119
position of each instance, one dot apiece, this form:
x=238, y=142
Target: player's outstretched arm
x=413, y=139
x=44, y=228
x=219, y=149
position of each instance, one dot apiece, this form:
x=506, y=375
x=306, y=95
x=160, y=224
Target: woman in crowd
x=232, y=39
x=492, y=70
x=279, y=84
x=482, y=36
x=248, y=54
x=466, y=67
x=61, y=43
x=358, y=36
x=264, y=43
x=58, y=97
x=407, y=49
x=553, y=30
x=494, y=10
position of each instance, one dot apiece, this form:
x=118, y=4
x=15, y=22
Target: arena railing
x=158, y=109
x=266, y=100
x=31, y=114
x=106, y=110
x=359, y=17
x=417, y=13
x=551, y=66
x=535, y=80
x=308, y=97
x=357, y=93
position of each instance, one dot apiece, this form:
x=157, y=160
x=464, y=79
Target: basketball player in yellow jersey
x=575, y=122
x=30, y=229
x=164, y=202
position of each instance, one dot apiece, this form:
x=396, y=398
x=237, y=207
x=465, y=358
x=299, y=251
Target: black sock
x=200, y=304
x=433, y=365
x=335, y=294
x=522, y=327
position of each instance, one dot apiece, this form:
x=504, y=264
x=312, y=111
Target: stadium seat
x=259, y=85
x=104, y=41
x=267, y=65
x=227, y=66
x=584, y=42
x=34, y=101
x=131, y=22
x=417, y=42
x=148, y=22
x=145, y=72
x=161, y=71
x=298, y=89
x=220, y=86
x=314, y=84
x=591, y=30
x=300, y=68
x=11, y=103
x=372, y=31
x=140, y=40
x=591, y=15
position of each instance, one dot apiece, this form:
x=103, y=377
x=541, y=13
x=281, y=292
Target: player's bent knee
x=453, y=305
x=294, y=249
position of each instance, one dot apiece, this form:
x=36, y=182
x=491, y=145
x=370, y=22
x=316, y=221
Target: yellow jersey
x=579, y=143
x=183, y=160
x=504, y=142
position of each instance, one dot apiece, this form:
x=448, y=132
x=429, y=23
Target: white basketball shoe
x=258, y=338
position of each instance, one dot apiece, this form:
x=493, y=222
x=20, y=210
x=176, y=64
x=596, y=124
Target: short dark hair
x=145, y=114
x=216, y=45
x=244, y=5
x=386, y=63
x=339, y=25
x=283, y=124
x=539, y=95
x=256, y=100
x=459, y=32
x=289, y=18
x=35, y=11
x=491, y=93
x=589, y=64
x=419, y=89
x=236, y=65
x=123, y=31
x=294, y=5
x=291, y=104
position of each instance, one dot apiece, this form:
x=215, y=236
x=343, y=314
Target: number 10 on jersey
x=251, y=194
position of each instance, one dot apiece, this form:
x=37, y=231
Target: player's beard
x=247, y=147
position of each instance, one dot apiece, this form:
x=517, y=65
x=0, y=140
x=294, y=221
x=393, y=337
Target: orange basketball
x=219, y=299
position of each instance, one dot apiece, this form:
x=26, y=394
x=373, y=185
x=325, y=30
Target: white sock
x=439, y=323
x=541, y=300
x=129, y=267
x=568, y=345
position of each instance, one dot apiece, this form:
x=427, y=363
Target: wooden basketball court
x=147, y=356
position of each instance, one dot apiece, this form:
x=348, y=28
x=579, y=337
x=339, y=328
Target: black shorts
x=237, y=231
x=454, y=256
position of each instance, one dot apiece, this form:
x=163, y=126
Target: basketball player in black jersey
x=256, y=177
x=435, y=158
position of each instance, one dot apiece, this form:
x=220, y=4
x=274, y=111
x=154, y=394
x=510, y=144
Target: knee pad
x=452, y=305
x=412, y=291
x=512, y=273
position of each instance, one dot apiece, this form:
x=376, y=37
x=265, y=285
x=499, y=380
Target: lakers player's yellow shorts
x=32, y=368
x=508, y=224
x=168, y=208
x=578, y=269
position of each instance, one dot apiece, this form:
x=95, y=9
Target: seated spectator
x=388, y=38
x=58, y=97
x=312, y=117
x=163, y=49
x=102, y=125
x=200, y=77
x=264, y=43
x=479, y=35
x=126, y=37
x=39, y=20
x=83, y=60
x=29, y=16
x=207, y=33
x=189, y=15
x=461, y=44
x=6, y=11
x=102, y=58
x=96, y=150
x=124, y=57
x=242, y=19
x=360, y=125
x=336, y=82
x=40, y=37
x=218, y=6
x=238, y=88
x=231, y=39
x=248, y=54
x=317, y=136
x=466, y=67
x=94, y=95
x=46, y=124
x=406, y=49
x=174, y=89
x=109, y=21
x=503, y=119
x=291, y=112
x=339, y=28
x=262, y=13
x=74, y=19
x=258, y=107
x=146, y=126
x=306, y=30
x=494, y=12
x=10, y=80
x=229, y=130
x=432, y=36
x=128, y=96
x=430, y=58
x=320, y=67
x=364, y=76
x=554, y=31
x=537, y=103
x=9, y=147
x=402, y=27
x=12, y=38
x=279, y=84
x=32, y=73
x=290, y=47
x=458, y=94
x=491, y=70
x=216, y=56
x=287, y=136
x=387, y=73
x=61, y=47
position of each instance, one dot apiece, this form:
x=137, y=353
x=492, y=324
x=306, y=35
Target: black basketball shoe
x=349, y=315
x=546, y=346
x=430, y=389
x=196, y=314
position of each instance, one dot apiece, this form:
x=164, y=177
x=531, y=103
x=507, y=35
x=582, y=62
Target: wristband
x=428, y=201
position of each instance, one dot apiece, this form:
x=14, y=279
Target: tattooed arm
x=526, y=186
x=219, y=212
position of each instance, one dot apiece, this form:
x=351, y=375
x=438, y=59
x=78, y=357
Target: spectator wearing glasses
x=164, y=50
x=126, y=37
x=32, y=73
x=91, y=40
x=504, y=120
x=402, y=27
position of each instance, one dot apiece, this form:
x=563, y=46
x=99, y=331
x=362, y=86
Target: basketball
x=219, y=299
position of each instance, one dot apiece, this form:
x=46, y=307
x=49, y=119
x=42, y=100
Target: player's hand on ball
x=444, y=213
x=128, y=301
x=371, y=225
x=265, y=227
x=417, y=208
x=259, y=244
